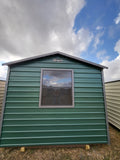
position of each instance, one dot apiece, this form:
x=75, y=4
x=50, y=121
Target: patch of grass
x=97, y=152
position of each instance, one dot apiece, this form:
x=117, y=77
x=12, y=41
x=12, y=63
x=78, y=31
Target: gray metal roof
x=113, y=81
x=55, y=53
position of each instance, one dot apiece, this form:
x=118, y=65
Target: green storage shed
x=54, y=99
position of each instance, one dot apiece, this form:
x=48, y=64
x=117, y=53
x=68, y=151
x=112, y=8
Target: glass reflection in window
x=56, y=88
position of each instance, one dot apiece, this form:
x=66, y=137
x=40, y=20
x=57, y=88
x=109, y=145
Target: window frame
x=41, y=82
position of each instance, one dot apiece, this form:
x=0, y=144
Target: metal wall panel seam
x=46, y=119
x=105, y=106
x=44, y=137
x=51, y=113
x=113, y=109
x=61, y=124
x=66, y=130
x=114, y=117
x=3, y=106
x=55, y=143
x=116, y=103
x=114, y=121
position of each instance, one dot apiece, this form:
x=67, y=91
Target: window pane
x=56, y=88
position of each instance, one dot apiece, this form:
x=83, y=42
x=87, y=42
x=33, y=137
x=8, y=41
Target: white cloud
x=99, y=27
x=6, y=57
x=34, y=27
x=3, y=72
x=72, y=11
x=113, y=71
x=117, y=47
x=117, y=19
x=102, y=55
x=29, y=28
x=97, y=40
x=82, y=40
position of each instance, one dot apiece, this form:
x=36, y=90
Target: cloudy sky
x=89, y=29
x=57, y=78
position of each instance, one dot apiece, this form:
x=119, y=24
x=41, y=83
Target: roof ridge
x=53, y=53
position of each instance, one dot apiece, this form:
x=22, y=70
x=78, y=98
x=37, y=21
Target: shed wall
x=26, y=124
x=113, y=102
x=2, y=90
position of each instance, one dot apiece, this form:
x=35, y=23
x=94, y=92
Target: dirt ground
x=96, y=152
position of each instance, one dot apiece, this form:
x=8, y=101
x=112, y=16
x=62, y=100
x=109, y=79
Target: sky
x=57, y=78
x=88, y=29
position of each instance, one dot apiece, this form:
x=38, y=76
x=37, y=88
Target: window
x=56, y=88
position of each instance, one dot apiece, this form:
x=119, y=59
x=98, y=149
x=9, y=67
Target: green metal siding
x=25, y=124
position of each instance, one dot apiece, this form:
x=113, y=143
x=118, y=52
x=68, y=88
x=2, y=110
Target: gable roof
x=55, y=53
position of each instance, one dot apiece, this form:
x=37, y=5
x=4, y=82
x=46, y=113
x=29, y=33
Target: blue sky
x=89, y=29
x=99, y=16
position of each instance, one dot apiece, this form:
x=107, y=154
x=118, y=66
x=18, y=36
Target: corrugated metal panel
x=113, y=102
x=27, y=124
x=2, y=90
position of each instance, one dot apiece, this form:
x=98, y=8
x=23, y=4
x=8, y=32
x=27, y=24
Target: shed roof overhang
x=55, y=53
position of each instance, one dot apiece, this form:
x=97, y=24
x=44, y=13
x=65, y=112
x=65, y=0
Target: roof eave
x=30, y=58
x=53, y=53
